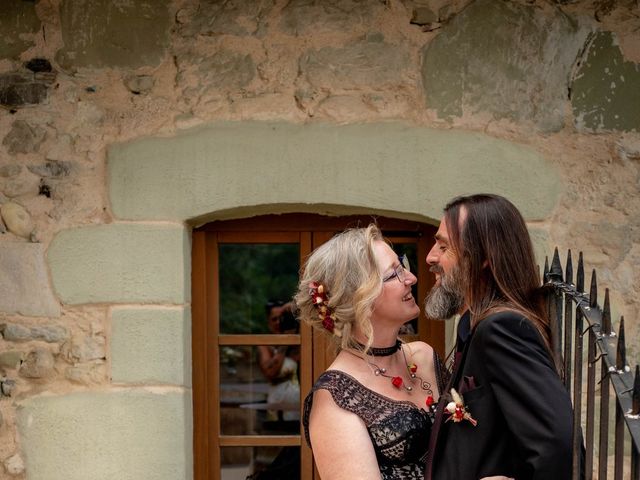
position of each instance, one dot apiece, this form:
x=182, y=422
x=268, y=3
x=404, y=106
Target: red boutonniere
x=457, y=410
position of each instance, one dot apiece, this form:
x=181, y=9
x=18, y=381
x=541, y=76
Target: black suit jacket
x=524, y=413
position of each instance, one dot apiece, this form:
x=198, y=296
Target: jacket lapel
x=439, y=418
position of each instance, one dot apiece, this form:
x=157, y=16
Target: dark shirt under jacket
x=524, y=414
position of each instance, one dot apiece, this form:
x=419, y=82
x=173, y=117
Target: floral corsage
x=457, y=410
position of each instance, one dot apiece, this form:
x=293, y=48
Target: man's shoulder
x=504, y=322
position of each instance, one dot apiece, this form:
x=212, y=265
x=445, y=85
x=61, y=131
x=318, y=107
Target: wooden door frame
x=313, y=230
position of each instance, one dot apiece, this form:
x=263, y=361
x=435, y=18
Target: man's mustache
x=436, y=269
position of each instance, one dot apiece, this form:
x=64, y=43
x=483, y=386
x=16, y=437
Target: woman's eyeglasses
x=399, y=271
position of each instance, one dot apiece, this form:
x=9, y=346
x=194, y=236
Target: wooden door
x=238, y=267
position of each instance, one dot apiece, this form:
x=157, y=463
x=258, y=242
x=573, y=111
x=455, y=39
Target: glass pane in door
x=259, y=385
x=252, y=278
x=252, y=400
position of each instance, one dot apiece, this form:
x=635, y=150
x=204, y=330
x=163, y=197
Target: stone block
x=11, y=359
x=51, y=169
x=17, y=219
x=151, y=346
x=12, y=332
x=14, y=465
x=121, y=263
x=302, y=17
x=18, y=24
x=509, y=60
x=226, y=70
x=605, y=93
x=139, y=84
x=103, y=33
x=212, y=17
x=49, y=333
x=369, y=63
x=20, y=90
x=212, y=169
x=85, y=374
x=84, y=349
x=128, y=435
x=23, y=138
x=24, y=281
x=38, y=363
x=10, y=170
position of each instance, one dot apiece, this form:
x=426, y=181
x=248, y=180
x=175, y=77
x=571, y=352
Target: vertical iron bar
x=618, y=465
x=568, y=274
x=555, y=319
x=580, y=274
x=635, y=460
x=603, y=454
x=593, y=294
x=606, y=314
x=577, y=394
x=621, y=350
x=568, y=331
x=635, y=395
x=568, y=325
x=591, y=404
x=556, y=268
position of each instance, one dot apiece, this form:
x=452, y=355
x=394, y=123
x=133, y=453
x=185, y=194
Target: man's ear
x=485, y=264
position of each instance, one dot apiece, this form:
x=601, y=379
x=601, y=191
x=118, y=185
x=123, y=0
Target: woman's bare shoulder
x=421, y=350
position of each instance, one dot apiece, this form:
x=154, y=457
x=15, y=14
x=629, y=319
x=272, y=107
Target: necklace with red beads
x=397, y=381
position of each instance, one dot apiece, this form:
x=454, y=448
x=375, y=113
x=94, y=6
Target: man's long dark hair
x=496, y=259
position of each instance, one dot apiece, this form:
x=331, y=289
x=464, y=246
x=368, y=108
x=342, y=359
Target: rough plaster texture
x=123, y=434
x=214, y=168
x=18, y=24
x=504, y=59
x=24, y=281
x=100, y=33
x=605, y=93
x=151, y=346
x=121, y=263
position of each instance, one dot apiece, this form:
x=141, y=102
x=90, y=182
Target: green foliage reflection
x=250, y=276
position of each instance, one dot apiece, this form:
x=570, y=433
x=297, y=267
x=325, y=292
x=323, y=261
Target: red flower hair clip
x=320, y=300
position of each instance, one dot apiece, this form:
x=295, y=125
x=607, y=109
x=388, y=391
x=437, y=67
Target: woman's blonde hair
x=347, y=268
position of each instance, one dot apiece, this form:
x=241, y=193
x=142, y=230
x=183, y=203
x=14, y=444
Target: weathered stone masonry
x=124, y=124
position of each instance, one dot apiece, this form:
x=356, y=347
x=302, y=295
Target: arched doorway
x=240, y=268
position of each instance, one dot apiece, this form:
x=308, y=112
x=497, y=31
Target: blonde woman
x=370, y=414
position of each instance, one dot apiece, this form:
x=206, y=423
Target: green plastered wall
x=126, y=434
x=391, y=167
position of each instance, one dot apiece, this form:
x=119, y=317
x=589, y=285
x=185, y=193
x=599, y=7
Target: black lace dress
x=399, y=430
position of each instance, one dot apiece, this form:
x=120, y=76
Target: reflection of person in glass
x=370, y=414
x=279, y=364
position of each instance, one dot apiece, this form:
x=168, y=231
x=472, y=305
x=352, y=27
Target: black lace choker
x=383, y=351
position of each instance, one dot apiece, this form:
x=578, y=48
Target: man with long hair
x=507, y=411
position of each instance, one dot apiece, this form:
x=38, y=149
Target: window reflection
x=251, y=276
x=253, y=403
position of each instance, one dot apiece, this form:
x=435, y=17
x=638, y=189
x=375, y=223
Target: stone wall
x=126, y=123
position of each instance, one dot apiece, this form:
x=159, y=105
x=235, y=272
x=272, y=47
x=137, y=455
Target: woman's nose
x=410, y=278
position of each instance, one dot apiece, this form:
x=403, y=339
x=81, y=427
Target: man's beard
x=446, y=299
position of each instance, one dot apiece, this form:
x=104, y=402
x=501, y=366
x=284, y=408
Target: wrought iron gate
x=578, y=322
